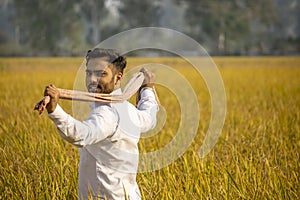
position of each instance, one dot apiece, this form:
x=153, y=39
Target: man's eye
x=88, y=73
x=102, y=74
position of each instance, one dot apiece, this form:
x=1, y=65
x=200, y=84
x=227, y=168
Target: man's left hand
x=53, y=93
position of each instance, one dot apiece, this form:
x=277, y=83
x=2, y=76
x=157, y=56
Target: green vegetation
x=71, y=27
x=256, y=157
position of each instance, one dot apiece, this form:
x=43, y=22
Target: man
x=108, y=138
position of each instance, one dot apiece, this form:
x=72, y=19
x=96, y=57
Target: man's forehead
x=96, y=64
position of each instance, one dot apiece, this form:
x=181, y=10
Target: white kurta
x=108, y=145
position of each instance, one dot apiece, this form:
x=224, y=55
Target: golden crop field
x=256, y=157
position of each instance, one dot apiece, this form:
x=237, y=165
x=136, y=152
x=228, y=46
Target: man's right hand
x=149, y=78
x=53, y=93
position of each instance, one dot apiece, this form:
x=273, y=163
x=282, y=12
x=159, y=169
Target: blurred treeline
x=223, y=27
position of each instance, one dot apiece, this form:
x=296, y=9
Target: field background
x=256, y=157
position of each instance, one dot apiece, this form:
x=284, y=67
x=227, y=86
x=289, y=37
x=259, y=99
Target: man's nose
x=94, y=78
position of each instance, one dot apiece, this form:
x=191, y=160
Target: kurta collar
x=95, y=104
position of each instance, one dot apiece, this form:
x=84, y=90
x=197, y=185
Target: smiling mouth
x=94, y=88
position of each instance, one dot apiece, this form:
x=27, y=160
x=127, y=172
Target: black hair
x=112, y=56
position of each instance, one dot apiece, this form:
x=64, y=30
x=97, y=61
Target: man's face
x=100, y=78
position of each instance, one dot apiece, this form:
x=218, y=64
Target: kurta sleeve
x=147, y=109
x=101, y=124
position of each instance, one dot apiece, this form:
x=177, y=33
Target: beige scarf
x=132, y=87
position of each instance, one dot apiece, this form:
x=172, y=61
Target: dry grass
x=256, y=157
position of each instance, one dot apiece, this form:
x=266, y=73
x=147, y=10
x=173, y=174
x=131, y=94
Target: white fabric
x=107, y=143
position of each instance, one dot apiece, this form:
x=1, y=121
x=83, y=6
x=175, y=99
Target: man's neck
x=117, y=85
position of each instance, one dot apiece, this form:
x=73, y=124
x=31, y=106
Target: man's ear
x=119, y=77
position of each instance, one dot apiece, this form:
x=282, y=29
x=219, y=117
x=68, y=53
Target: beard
x=104, y=88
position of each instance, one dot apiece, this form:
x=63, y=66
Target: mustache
x=93, y=85
x=94, y=88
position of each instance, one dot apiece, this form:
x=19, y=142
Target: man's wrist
x=148, y=85
x=51, y=108
x=146, y=88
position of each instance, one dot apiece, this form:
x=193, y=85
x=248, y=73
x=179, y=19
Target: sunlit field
x=256, y=156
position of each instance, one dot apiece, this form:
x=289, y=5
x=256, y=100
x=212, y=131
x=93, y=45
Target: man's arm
x=147, y=109
x=146, y=102
x=100, y=124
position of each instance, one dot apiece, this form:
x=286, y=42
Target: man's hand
x=149, y=78
x=53, y=93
